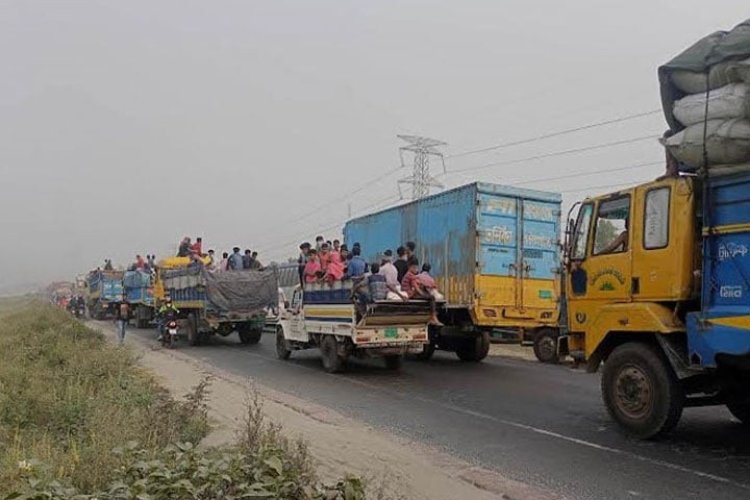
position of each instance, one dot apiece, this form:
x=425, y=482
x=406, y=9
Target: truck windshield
x=580, y=238
x=612, y=226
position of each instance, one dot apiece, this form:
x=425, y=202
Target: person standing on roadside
x=122, y=316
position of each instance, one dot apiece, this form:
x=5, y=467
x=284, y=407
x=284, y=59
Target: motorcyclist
x=167, y=312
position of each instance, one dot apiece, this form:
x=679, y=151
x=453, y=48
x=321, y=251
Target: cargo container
x=495, y=255
x=211, y=302
x=139, y=289
x=102, y=289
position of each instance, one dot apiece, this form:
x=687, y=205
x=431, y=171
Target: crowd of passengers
x=236, y=261
x=399, y=278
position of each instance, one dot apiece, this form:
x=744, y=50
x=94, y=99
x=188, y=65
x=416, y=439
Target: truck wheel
x=545, y=346
x=248, y=334
x=640, y=390
x=427, y=351
x=282, y=348
x=193, y=336
x=393, y=361
x=474, y=349
x=332, y=361
x=740, y=408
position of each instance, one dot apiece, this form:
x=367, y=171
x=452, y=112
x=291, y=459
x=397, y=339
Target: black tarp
x=247, y=291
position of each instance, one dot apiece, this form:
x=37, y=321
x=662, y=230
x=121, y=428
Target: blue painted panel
x=726, y=271
x=497, y=226
x=442, y=226
x=541, y=232
x=706, y=340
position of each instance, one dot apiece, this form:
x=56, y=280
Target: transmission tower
x=421, y=148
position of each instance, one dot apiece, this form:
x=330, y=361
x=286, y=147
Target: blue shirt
x=355, y=267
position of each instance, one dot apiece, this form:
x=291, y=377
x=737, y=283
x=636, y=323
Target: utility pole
x=421, y=148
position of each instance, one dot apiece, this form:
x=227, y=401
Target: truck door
x=297, y=321
x=600, y=264
x=539, y=254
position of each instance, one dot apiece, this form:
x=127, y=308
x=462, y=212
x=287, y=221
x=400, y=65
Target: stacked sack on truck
x=706, y=98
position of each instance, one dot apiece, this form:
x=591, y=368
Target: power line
x=583, y=174
x=320, y=230
x=554, y=154
x=555, y=134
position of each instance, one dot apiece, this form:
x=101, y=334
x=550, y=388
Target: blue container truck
x=495, y=256
x=139, y=289
x=103, y=288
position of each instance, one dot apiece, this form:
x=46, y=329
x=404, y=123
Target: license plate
x=391, y=333
x=172, y=331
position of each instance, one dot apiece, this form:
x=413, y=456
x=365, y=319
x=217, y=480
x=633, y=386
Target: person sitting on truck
x=319, y=240
x=312, y=268
x=389, y=270
x=235, y=261
x=324, y=256
x=411, y=249
x=336, y=246
x=196, y=249
x=184, y=249
x=335, y=269
x=304, y=251
x=108, y=265
x=140, y=263
x=401, y=266
x=414, y=289
x=247, y=259
x=428, y=282
x=357, y=266
x=255, y=263
x=373, y=288
x=224, y=263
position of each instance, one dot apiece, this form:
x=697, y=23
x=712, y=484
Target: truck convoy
x=139, y=290
x=217, y=302
x=658, y=276
x=495, y=255
x=324, y=316
x=102, y=289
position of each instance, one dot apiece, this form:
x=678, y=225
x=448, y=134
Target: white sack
x=720, y=75
x=728, y=142
x=730, y=101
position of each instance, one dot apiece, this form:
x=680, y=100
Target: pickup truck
x=323, y=316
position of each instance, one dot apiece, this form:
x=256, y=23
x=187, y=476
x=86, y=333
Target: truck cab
x=324, y=316
x=637, y=277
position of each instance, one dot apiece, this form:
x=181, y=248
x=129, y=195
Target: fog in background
x=127, y=125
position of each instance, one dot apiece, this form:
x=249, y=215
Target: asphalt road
x=534, y=423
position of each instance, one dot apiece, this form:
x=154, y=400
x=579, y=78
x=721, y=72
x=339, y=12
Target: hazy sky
x=125, y=125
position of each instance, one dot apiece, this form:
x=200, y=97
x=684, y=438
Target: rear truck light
x=420, y=336
x=363, y=338
x=490, y=313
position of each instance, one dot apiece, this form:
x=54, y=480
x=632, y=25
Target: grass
x=67, y=398
x=80, y=420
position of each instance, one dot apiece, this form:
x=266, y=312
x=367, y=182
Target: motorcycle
x=80, y=312
x=169, y=337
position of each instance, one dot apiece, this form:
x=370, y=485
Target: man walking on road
x=122, y=315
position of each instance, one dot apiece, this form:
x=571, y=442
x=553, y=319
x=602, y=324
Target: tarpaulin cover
x=242, y=291
x=247, y=291
x=716, y=60
x=136, y=279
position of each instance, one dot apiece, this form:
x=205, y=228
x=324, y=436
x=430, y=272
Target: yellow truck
x=657, y=287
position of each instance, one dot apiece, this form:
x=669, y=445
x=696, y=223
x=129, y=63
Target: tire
x=282, y=348
x=249, y=335
x=545, y=346
x=393, y=361
x=474, y=349
x=332, y=361
x=740, y=408
x=641, y=392
x=193, y=336
x=427, y=352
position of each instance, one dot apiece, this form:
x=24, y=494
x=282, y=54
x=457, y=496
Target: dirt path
x=403, y=468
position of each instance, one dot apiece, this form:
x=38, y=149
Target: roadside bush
x=80, y=421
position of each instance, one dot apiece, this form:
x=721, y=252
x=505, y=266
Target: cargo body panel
x=493, y=249
x=722, y=326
